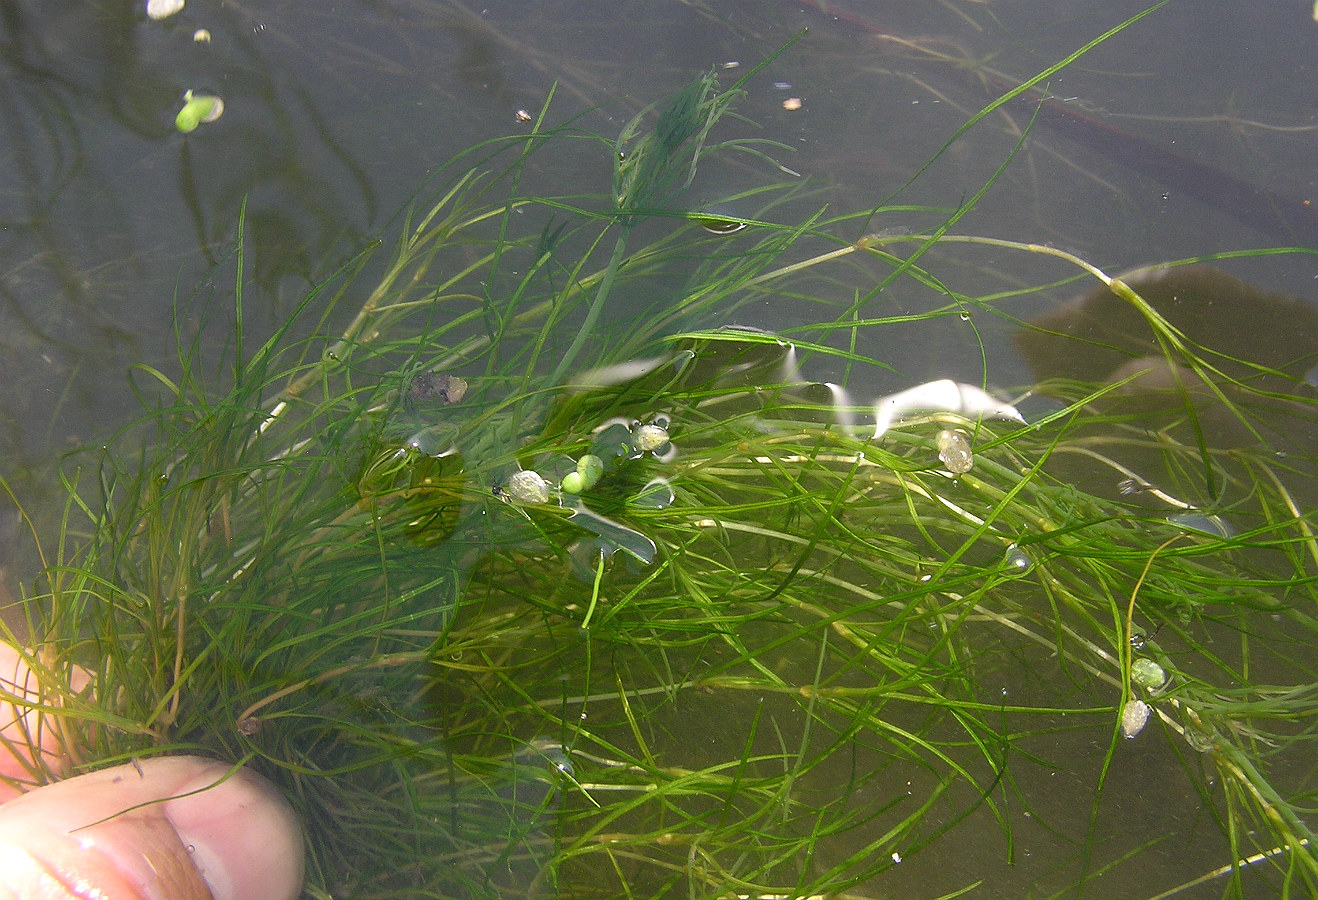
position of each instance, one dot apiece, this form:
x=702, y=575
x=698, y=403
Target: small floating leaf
x=1203, y=523
x=657, y=494
x=612, y=441
x=613, y=535
x=720, y=225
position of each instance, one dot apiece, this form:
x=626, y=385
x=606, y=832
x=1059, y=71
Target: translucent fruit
x=649, y=438
x=526, y=486
x=954, y=452
x=1147, y=674
x=1133, y=717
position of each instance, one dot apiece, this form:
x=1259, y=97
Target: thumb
x=206, y=831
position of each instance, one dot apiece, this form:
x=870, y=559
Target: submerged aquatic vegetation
x=382, y=566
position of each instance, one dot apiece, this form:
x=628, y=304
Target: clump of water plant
x=511, y=603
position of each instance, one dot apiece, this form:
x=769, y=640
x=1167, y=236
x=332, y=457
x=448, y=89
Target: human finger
x=179, y=827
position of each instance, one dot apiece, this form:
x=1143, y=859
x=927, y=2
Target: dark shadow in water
x=1261, y=344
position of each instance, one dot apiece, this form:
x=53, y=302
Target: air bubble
x=434, y=440
x=657, y=494
x=1018, y=561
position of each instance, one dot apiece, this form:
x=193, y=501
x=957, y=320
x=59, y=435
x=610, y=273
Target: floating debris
x=954, y=452
x=429, y=386
x=201, y=36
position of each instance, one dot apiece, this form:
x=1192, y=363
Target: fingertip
x=241, y=833
x=173, y=826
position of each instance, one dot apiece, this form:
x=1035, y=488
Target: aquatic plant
x=382, y=566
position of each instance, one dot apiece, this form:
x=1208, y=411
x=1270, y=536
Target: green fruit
x=590, y=467
x=1147, y=674
x=197, y=108
x=649, y=438
x=525, y=486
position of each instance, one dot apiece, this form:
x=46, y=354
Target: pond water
x=335, y=114
x=1193, y=133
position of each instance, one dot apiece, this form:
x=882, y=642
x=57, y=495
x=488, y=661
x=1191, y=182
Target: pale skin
x=162, y=828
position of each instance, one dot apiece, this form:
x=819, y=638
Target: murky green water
x=335, y=114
